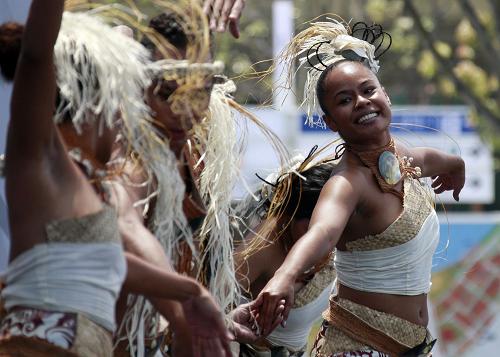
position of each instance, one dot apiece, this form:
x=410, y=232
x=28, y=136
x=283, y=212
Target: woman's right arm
x=337, y=201
x=31, y=129
x=146, y=279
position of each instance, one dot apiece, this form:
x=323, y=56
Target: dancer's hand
x=244, y=327
x=210, y=335
x=182, y=343
x=274, y=300
x=224, y=12
x=453, y=180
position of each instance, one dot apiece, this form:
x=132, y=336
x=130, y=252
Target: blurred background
x=443, y=76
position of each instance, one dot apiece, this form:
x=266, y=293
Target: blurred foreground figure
x=67, y=264
x=70, y=229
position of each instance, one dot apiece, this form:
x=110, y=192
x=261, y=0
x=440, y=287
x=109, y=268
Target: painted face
x=358, y=106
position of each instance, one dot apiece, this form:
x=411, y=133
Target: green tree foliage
x=448, y=50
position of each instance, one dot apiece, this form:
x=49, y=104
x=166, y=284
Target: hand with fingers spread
x=453, y=180
x=209, y=333
x=222, y=13
x=274, y=300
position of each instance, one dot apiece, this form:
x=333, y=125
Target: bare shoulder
x=348, y=178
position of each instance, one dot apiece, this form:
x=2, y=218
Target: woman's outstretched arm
x=31, y=129
x=336, y=203
x=447, y=171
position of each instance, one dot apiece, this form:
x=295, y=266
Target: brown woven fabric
x=355, y=327
x=335, y=341
x=100, y=227
x=417, y=205
x=20, y=346
x=92, y=339
x=309, y=292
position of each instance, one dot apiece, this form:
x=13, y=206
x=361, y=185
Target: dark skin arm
x=143, y=278
x=153, y=276
x=341, y=195
x=41, y=182
x=447, y=171
x=31, y=129
x=254, y=267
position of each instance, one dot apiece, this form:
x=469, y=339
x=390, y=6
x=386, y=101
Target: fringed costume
x=60, y=296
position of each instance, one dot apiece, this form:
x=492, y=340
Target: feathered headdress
x=326, y=43
x=273, y=199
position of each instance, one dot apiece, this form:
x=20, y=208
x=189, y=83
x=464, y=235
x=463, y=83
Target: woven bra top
x=79, y=269
x=398, y=260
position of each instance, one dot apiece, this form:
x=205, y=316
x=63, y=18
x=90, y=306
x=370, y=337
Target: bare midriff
x=410, y=308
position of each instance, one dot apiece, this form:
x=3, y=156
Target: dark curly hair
x=11, y=35
x=305, y=193
x=169, y=26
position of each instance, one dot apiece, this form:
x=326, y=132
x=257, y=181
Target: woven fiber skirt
x=332, y=342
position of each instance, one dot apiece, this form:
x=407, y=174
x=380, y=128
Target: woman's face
x=358, y=106
x=177, y=125
x=174, y=125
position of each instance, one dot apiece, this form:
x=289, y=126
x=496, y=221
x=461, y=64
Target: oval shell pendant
x=388, y=166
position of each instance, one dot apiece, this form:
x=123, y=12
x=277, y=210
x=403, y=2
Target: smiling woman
x=373, y=211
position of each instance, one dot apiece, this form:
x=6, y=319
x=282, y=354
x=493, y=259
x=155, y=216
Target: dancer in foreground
x=66, y=263
x=59, y=192
x=374, y=211
x=278, y=219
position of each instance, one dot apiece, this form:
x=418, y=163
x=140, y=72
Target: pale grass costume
x=60, y=295
x=193, y=227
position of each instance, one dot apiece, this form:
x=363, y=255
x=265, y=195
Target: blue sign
x=418, y=119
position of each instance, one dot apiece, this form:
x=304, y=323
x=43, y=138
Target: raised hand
x=224, y=12
x=453, y=180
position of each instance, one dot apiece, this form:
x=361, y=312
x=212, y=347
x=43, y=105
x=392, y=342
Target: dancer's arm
x=448, y=171
x=338, y=199
x=146, y=279
x=31, y=130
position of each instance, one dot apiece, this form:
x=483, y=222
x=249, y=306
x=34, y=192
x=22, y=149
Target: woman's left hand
x=454, y=180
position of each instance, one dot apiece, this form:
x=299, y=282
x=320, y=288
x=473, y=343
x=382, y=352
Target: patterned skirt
x=34, y=332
